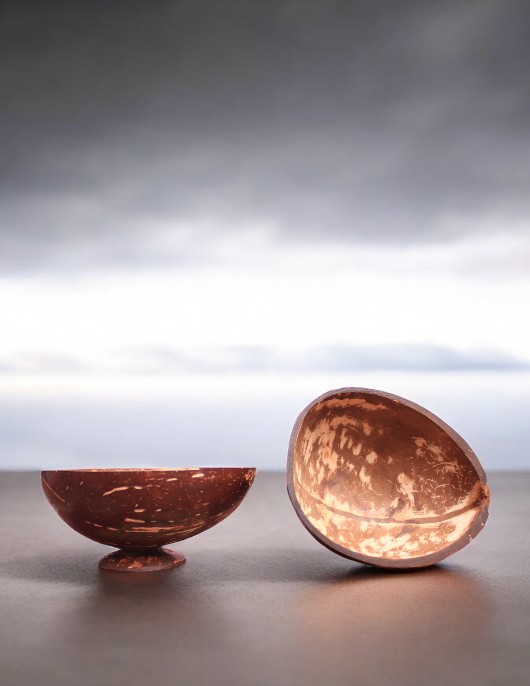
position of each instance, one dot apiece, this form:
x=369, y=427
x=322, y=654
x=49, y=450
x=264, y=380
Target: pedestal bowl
x=381, y=480
x=141, y=510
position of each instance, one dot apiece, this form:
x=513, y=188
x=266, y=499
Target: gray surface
x=259, y=602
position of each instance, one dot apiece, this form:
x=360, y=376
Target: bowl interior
x=378, y=476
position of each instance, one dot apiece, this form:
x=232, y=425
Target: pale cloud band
x=263, y=360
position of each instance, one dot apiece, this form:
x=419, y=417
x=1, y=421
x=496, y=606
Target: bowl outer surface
x=145, y=508
x=374, y=397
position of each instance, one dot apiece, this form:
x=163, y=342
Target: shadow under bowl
x=381, y=480
x=141, y=510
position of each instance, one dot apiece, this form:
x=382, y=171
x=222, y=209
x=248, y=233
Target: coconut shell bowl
x=140, y=510
x=381, y=480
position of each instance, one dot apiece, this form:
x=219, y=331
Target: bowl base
x=130, y=560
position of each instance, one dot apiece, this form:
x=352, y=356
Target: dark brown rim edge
x=118, y=470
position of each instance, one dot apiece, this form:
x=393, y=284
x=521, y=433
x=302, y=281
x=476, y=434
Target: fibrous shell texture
x=145, y=508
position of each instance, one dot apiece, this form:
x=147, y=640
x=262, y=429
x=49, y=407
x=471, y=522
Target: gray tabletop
x=259, y=602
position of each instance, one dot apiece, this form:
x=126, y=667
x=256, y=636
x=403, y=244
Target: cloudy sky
x=204, y=186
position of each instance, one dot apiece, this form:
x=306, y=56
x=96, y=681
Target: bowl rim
x=130, y=470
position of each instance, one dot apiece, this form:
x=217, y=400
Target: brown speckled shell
x=145, y=508
x=380, y=480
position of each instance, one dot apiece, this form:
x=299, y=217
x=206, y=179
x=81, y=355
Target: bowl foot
x=152, y=560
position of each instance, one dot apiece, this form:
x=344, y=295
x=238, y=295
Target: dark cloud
x=368, y=121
